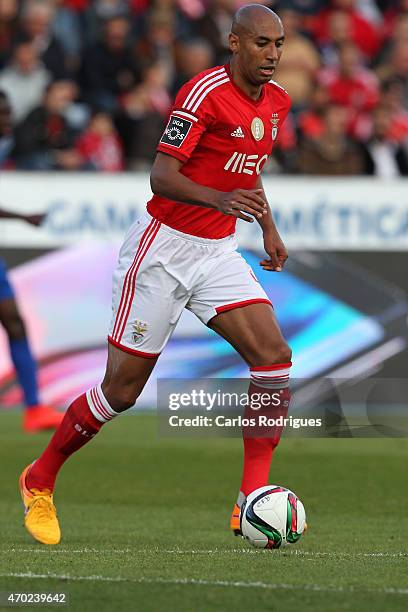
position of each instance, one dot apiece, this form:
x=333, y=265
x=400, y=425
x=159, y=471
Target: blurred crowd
x=88, y=84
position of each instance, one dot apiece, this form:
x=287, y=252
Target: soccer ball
x=272, y=517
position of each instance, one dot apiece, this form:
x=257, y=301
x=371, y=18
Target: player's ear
x=233, y=42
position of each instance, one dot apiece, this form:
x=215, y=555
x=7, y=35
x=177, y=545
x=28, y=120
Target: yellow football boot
x=40, y=513
x=235, y=524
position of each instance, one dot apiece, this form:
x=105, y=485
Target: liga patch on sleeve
x=176, y=131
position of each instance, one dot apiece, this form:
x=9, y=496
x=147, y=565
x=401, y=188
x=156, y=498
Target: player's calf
x=82, y=421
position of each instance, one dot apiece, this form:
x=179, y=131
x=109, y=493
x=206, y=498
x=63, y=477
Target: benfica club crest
x=274, y=121
x=139, y=329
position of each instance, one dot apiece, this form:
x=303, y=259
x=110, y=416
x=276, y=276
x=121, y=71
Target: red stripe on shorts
x=128, y=278
x=131, y=351
x=227, y=307
x=132, y=284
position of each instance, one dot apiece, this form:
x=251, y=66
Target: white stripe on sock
x=99, y=405
x=271, y=379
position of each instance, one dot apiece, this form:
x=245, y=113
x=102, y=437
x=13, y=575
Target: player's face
x=258, y=51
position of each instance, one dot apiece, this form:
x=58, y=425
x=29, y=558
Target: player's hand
x=34, y=219
x=241, y=203
x=276, y=250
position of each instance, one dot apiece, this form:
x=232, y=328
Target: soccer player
x=182, y=254
x=37, y=416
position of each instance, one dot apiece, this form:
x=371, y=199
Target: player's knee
x=270, y=355
x=120, y=398
x=283, y=353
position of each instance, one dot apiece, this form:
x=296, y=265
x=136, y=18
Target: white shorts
x=161, y=271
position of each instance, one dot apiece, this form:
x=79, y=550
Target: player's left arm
x=273, y=244
x=31, y=219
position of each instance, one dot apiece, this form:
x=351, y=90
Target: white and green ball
x=272, y=516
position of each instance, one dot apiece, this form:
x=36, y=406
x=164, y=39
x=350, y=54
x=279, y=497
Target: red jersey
x=223, y=138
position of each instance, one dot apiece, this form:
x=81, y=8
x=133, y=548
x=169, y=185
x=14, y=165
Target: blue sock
x=26, y=369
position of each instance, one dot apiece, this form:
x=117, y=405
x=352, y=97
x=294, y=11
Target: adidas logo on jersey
x=238, y=133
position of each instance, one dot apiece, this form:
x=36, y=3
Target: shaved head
x=255, y=42
x=249, y=17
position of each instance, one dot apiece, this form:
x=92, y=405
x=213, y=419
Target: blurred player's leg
x=37, y=417
x=254, y=332
x=125, y=377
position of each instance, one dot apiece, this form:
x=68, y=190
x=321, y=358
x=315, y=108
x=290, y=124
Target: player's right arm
x=167, y=181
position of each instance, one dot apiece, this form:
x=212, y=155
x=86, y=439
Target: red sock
x=257, y=462
x=258, y=451
x=77, y=428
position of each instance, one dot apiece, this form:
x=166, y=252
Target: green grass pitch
x=144, y=522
